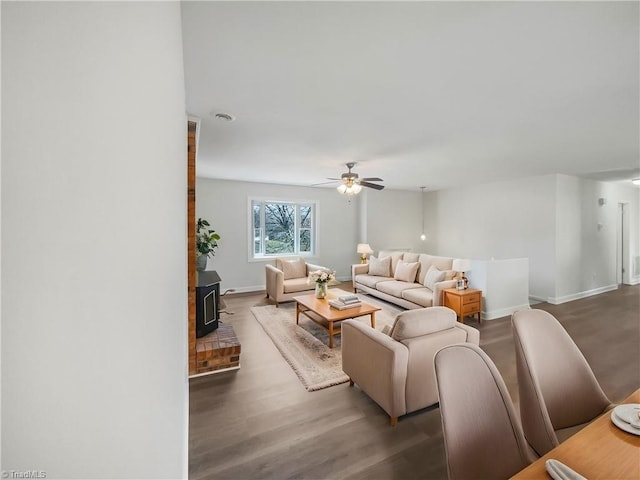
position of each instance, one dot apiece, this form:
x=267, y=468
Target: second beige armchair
x=396, y=370
x=288, y=278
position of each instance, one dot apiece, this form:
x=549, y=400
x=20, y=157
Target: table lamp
x=462, y=265
x=364, y=249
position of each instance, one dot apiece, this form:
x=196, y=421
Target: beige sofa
x=396, y=370
x=397, y=286
x=288, y=278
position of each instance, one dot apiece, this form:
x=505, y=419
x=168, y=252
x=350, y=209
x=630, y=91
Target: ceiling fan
x=352, y=184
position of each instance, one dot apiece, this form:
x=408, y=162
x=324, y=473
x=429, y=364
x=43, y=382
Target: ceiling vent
x=224, y=116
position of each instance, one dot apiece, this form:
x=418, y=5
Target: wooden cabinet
x=465, y=303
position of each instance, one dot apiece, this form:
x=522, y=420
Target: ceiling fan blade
x=371, y=179
x=323, y=183
x=372, y=185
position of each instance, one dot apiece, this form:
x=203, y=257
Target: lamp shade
x=364, y=248
x=461, y=265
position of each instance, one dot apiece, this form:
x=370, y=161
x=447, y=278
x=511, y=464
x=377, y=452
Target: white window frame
x=253, y=257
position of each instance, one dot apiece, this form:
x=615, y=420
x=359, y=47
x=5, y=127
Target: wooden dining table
x=598, y=451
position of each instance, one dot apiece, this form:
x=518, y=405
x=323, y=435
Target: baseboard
x=249, y=289
x=634, y=281
x=579, y=295
x=214, y=372
x=503, y=312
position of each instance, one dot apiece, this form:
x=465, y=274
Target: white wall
x=394, y=220
x=225, y=204
x=552, y=220
x=502, y=220
x=587, y=237
x=504, y=285
x=94, y=296
x=0, y=254
x=568, y=236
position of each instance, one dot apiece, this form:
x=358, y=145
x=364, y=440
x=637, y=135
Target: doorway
x=622, y=250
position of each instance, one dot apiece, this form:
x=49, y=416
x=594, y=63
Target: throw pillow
x=380, y=267
x=432, y=277
x=410, y=257
x=406, y=272
x=450, y=274
x=296, y=268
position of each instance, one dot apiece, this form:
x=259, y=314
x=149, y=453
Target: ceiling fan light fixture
x=349, y=190
x=352, y=184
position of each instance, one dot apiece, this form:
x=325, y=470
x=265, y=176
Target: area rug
x=305, y=346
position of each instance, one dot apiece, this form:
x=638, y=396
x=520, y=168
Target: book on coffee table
x=349, y=299
x=343, y=306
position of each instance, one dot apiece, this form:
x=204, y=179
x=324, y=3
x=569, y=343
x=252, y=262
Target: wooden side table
x=464, y=302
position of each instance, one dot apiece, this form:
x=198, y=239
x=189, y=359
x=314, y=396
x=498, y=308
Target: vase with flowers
x=322, y=278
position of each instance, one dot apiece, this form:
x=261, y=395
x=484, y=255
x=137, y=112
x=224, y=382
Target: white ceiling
x=434, y=94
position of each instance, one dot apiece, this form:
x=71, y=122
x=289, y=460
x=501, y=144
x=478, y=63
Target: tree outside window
x=282, y=228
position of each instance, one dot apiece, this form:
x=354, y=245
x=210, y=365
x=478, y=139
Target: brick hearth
x=218, y=350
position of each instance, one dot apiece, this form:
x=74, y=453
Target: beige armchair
x=396, y=370
x=288, y=278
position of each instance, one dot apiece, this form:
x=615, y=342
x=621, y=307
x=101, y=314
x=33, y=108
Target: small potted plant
x=206, y=243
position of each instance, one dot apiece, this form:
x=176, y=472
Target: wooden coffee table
x=319, y=311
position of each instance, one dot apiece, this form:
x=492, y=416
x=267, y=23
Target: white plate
x=620, y=417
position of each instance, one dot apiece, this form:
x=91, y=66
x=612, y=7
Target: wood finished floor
x=260, y=423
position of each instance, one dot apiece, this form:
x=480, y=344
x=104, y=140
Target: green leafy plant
x=206, y=238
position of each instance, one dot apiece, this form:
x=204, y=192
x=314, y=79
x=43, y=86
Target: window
x=282, y=228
